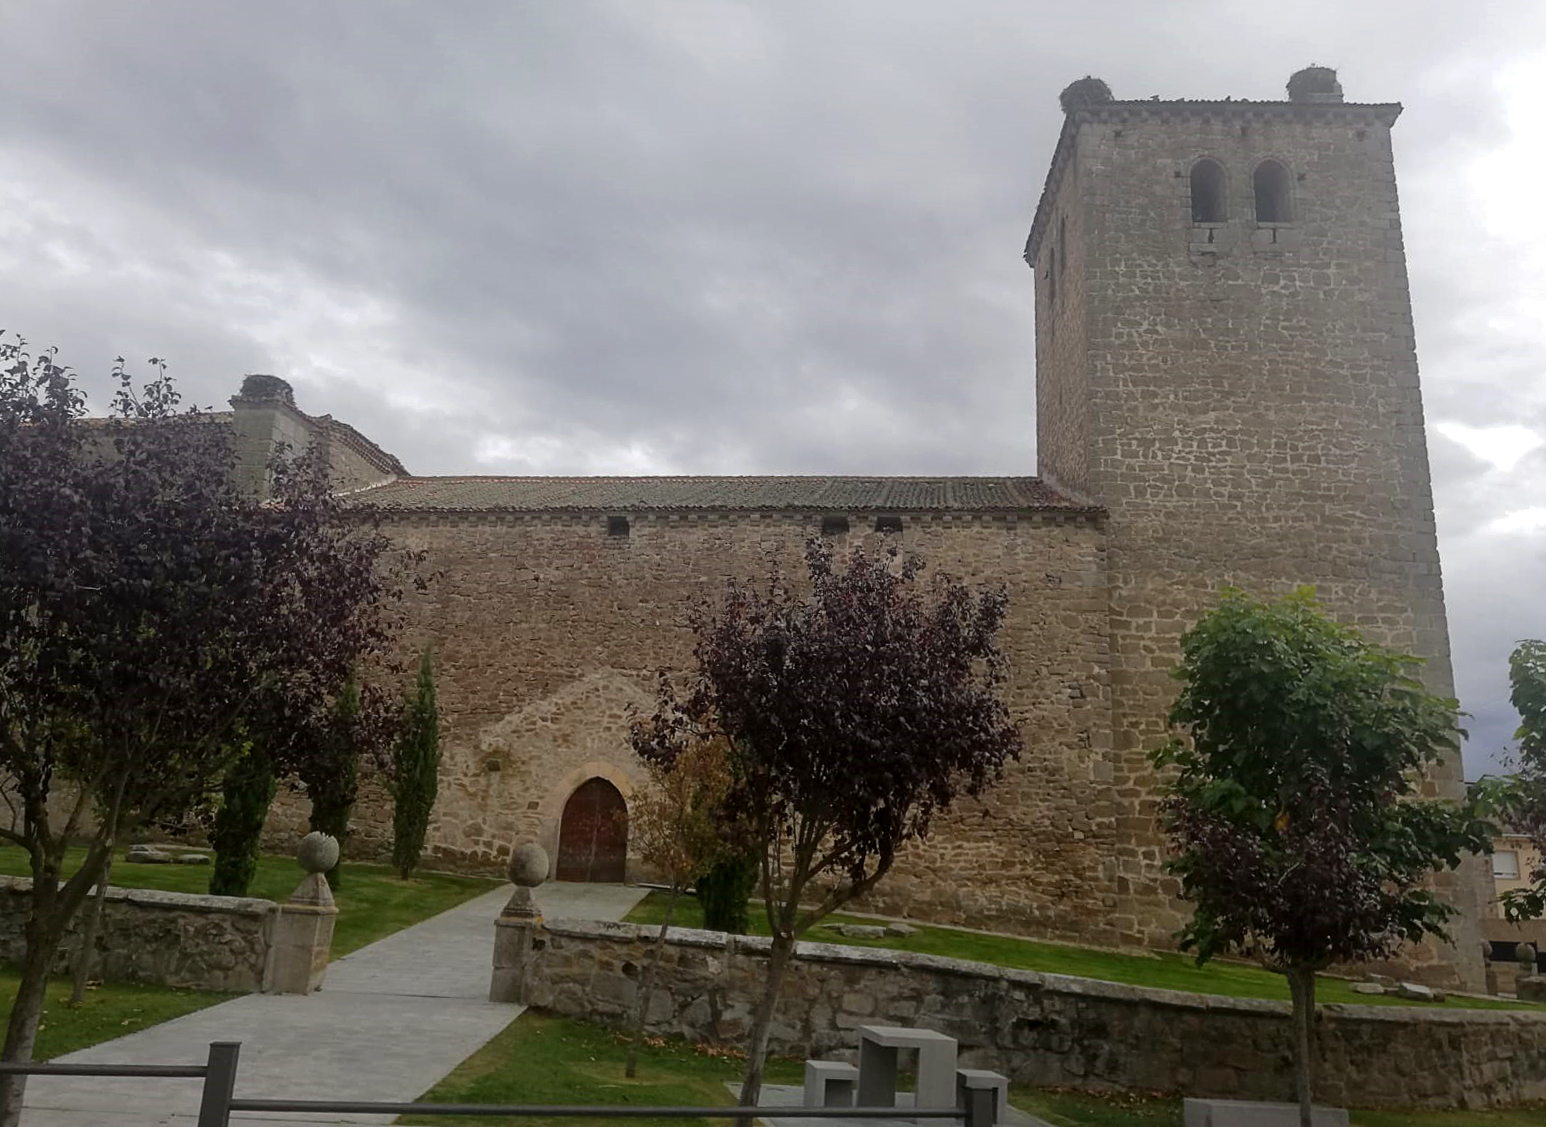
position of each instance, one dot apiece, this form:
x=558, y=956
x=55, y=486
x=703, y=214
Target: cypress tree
x=725, y=893
x=332, y=776
x=245, y=796
x=416, y=763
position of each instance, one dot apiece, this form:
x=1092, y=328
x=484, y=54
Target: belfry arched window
x=1272, y=200
x=1208, y=196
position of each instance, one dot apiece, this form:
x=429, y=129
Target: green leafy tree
x=360, y=724
x=1294, y=812
x=1527, y=808
x=677, y=827
x=331, y=774
x=855, y=709
x=149, y=609
x=415, y=772
x=245, y=796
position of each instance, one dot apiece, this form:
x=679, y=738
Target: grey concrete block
x=830, y=1083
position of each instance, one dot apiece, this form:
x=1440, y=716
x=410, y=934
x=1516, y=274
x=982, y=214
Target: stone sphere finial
x=1086, y=91
x=528, y=865
x=318, y=852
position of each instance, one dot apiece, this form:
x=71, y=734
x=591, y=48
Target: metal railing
x=218, y=1100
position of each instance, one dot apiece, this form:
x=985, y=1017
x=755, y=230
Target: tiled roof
x=717, y=494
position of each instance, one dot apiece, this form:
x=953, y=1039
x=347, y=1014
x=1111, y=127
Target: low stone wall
x=162, y=938
x=1042, y=1028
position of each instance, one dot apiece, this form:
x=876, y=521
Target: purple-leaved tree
x=856, y=707
x=148, y=609
x=1295, y=813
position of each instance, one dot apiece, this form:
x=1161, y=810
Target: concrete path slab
x=390, y=1021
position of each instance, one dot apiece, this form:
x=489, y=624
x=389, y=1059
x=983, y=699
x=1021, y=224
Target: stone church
x=1226, y=393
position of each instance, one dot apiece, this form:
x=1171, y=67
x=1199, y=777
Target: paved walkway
x=390, y=1021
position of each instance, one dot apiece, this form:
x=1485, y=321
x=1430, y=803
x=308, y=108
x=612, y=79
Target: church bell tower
x=1226, y=363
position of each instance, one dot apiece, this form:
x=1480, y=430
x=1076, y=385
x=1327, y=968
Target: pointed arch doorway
x=593, y=834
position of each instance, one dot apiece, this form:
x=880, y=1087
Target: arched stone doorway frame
x=552, y=809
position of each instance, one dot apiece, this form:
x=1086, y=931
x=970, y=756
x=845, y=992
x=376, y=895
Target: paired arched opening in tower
x=593, y=834
x=1209, y=197
x=1270, y=184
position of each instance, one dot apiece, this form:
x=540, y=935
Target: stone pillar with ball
x=517, y=930
x=303, y=930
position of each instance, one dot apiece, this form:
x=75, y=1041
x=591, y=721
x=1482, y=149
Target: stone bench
x=1249, y=1113
x=830, y=1083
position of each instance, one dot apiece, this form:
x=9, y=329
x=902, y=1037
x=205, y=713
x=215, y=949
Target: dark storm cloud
x=655, y=237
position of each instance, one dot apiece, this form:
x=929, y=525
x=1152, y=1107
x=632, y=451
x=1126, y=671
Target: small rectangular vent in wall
x=888, y=524
x=834, y=526
x=617, y=526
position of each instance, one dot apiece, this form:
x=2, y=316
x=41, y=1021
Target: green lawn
x=1082, y=1109
x=548, y=1060
x=372, y=903
x=109, y=1010
x=1167, y=971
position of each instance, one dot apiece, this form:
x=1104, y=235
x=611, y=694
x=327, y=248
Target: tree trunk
x=1301, y=987
x=88, y=952
x=762, y=1023
x=26, y=1011
x=49, y=912
x=647, y=986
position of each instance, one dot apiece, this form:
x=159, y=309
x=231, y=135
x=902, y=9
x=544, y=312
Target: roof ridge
x=737, y=493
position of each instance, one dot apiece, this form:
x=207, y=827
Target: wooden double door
x=593, y=834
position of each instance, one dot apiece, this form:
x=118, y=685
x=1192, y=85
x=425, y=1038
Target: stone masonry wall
x=1253, y=414
x=348, y=466
x=259, y=426
x=370, y=826
x=1043, y=1028
x=161, y=938
x=1062, y=334
x=548, y=633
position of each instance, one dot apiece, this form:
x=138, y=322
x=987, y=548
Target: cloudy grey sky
x=645, y=236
